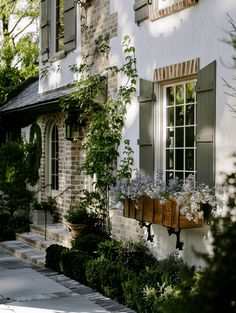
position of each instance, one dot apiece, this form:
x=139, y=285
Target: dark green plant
x=34, y=152
x=73, y=264
x=7, y=231
x=104, y=276
x=76, y=214
x=15, y=199
x=53, y=257
x=89, y=242
x=133, y=255
x=110, y=249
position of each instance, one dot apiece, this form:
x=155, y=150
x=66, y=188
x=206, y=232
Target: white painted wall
x=196, y=32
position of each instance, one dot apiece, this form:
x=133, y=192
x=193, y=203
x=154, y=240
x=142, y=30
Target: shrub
x=89, y=242
x=7, y=231
x=110, y=249
x=53, y=257
x=105, y=276
x=133, y=255
x=73, y=264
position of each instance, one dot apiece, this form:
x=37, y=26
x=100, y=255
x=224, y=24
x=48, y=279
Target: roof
x=28, y=97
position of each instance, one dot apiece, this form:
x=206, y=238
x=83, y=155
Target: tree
x=18, y=43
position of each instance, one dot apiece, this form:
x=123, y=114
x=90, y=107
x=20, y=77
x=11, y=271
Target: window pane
x=189, y=159
x=179, y=159
x=179, y=94
x=169, y=175
x=59, y=25
x=170, y=138
x=170, y=116
x=189, y=137
x=170, y=159
x=180, y=129
x=190, y=92
x=179, y=137
x=179, y=115
x=189, y=114
x=54, y=158
x=170, y=95
x=189, y=173
x=179, y=175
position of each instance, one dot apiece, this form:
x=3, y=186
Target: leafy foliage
x=34, y=152
x=19, y=45
x=15, y=198
x=106, y=116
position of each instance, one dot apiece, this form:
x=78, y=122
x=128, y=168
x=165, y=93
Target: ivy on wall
x=34, y=153
x=107, y=116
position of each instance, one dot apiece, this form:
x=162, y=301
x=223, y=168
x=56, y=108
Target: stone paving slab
x=43, y=288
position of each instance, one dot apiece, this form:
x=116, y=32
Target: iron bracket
x=179, y=244
x=148, y=226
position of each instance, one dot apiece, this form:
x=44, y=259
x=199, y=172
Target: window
x=53, y=158
x=59, y=40
x=58, y=28
x=179, y=125
x=177, y=132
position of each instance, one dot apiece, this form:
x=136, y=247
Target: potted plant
x=77, y=218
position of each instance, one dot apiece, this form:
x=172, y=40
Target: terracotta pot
x=75, y=230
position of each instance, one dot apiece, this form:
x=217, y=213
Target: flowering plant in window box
x=176, y=204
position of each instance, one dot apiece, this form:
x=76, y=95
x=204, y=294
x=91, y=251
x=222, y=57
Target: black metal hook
x=144, y=224
x=179, y=244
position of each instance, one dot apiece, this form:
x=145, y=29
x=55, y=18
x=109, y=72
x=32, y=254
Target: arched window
x=53, y=158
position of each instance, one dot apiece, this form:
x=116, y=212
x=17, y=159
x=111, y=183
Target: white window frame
x=161, y=127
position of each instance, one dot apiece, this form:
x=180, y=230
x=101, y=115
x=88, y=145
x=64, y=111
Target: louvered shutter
x=44, y=25
x=70, y=25
x=146, y=127
x=141, y=10
x=206, y=120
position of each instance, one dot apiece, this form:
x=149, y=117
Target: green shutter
x=206, y=120
x=70, y=25
x=44, y=25
x=141, y=10
x=146, y=127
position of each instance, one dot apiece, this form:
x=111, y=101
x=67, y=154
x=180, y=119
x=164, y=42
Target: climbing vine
x=107, y=117
x=34, y=152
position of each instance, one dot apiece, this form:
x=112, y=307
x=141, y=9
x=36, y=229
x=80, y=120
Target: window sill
x=59, y=56
x=172, y=9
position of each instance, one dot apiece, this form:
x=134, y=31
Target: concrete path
x=28, y=289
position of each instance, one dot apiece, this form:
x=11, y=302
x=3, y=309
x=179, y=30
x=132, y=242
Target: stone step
x=24, y=251
x=55, y=232
x=35, y=240
x=31, y=246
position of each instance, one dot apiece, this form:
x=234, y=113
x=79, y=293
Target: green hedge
x=125, y=271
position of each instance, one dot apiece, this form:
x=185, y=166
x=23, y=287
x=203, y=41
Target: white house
x=179, y=120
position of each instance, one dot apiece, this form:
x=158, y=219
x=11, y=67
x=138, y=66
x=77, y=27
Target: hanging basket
x=154, y=211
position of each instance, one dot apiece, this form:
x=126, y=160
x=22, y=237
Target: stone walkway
x=26, y=288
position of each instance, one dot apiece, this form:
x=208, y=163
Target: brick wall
x=124, y=228
x=96, y=24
